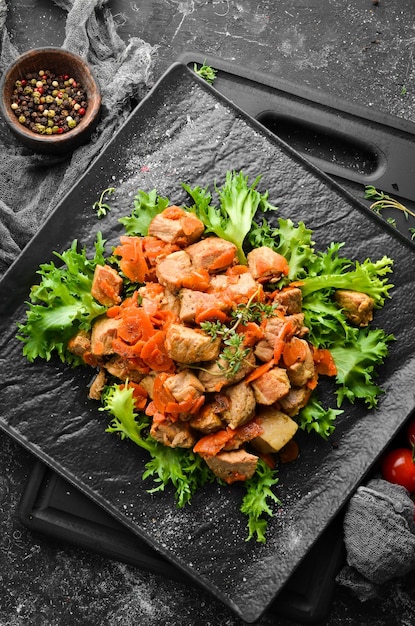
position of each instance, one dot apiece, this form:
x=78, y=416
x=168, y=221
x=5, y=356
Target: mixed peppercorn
x=48, y=104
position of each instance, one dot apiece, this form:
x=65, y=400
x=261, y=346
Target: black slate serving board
x=185, y=131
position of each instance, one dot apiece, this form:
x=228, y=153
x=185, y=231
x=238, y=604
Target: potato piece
x=278, y=429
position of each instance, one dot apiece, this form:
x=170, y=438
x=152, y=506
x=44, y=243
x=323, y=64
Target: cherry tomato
x=398, y=467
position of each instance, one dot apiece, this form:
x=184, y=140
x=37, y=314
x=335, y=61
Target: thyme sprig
x=234, y=353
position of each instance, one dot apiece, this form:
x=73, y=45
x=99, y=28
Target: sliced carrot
x=259, y=371
x=198, y=279
x=154, y=353
x=209, y=314
x=237, y=270
x=161, y=395
x=191, y=405
x=133, y=263
x=212, y=444
x=294, y=351
x=286, y=330
x=154, y=249
x=252, y=333
x=140, y=395
x=324, y=362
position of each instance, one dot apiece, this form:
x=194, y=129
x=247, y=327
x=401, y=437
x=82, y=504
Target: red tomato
x=398, y=467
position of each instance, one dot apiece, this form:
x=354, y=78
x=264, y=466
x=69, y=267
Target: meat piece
x=104, y=330
x=264, y=349
x=173, y=269
x=97, y=386
x=302, y=371
x=271, y=386
x=120, y=368
x=278, y=429
x=213, y=254
x=357, y=306
x=214, y=376
x=184, y=385
x=173, y=434
x=175, y=225
x=240, y=288
x=106, y=285
x=207, y=421
x=148, y=383
x=298, y=320
x=189, y=345
x=295, y=400
x=232, y=466
x=80, y=343
x=193, y=302
x=241, y=405
x=289, y=299
x=267, y=265
x=154, y=297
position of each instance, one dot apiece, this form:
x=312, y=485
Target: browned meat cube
x=302, y=371
x=264, y=349
x=193, y=302
x=173, y=269
x=213, y=254
x=148, y=383
x=271, y=386
x=161, y=298
x=97, y=386
x=295, y=400
x=174, y=225
x=104, y=330
x=189, y=345
x=173, y=434
x=241, y=405
x=277, y=429
x=207, y=421
x=242, y=288
x=80, y=343
x=184, y=385
x=215, y=376
x=357, y=306
x=233, y=466
x=289, y=299
x=267, y=265
x=106, y=285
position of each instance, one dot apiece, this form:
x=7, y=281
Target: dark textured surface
x=353, y=50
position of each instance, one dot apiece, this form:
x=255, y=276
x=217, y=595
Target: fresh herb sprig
x=382, y=201
x=101, y=207
x=205, y=71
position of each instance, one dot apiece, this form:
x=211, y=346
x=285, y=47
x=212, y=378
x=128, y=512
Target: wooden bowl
x=58, y=61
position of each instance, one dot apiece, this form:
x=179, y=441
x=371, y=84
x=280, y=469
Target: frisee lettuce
x=183, y=469
x=61, y=304
x=255, y=502
x=238, y=204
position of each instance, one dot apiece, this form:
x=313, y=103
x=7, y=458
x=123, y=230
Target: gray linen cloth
x=31, y=184
x=379, y=536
